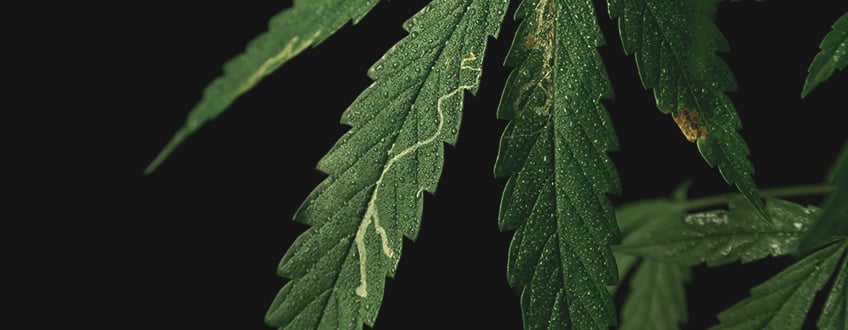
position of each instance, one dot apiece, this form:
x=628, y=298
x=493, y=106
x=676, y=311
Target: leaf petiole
x=779, y=192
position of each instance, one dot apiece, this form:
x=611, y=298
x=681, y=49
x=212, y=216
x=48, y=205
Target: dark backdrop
x=196, y=244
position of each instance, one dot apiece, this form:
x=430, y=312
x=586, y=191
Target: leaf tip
x=681, y=192
x=169, y=148
x=153, y=165
x=760, y=207
x=808, y=87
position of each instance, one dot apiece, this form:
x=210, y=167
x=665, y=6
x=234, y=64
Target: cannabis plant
x=571, y=246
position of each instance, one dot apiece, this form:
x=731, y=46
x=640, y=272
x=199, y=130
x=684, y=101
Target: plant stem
x=780, y=192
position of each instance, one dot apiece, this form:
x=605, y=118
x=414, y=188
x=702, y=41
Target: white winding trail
x=289, y=51
x=371, y=213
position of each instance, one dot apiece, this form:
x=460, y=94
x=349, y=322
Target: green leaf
x=833, y=221
x=554, y=151
x=380, y=167
x=632, y=220
x=833, y=316
x=832, y=56
x=306, y=24
x=782, y=301
x=675, y=44
x=625, y=263
x=657, y=298
x=635, y=219
x=638, y=219
x=719, y=237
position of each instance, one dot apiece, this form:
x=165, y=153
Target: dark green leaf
x=719, y=237
x=638, y=219
x=554, y=151
x=657, y=298
x=306, y=24
x=833, y=316
x=833, y=221
x=675, y=44
x=625, y=263
x=379, y=169
x=782, y=302
x=632, y=220
x=833, y=56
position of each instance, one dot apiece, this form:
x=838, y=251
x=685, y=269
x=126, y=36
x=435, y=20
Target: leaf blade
x=291, y=31
x=832, y=222
x=635, y=220
x=832, y=56
x=834, y=315
x=554, y=151
x=783, y=300
x=379, y=168
x=675, y=45
x=657, y=298
x=720, y=237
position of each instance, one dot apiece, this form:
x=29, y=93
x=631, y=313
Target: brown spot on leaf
x=690, y=124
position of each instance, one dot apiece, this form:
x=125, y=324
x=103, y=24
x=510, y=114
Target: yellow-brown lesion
x=689, y=122
x=541, y=40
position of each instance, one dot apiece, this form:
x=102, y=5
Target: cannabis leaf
x=834, y=219
x=719, y=237
x=378, y=169
x=833, y=56
x=832, y=223
x=674, y=43
x=783, y=301
x=657, y=298
x=554, y=151
x=639, y=219
x=305, y=24
x=833, y=315
x=636, y=219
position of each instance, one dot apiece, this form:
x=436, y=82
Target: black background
x=196, y=244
